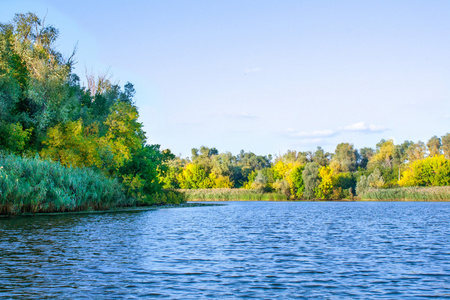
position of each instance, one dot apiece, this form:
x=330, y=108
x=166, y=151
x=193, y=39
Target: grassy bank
x=31, y=185
x=438, y=193
x=230, y=195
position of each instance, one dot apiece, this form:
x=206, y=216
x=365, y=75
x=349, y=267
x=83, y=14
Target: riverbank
x=230, y=194
x=29, y=185
x=435, y=193
x=393, y=194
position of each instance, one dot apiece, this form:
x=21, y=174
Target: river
x=261, y=250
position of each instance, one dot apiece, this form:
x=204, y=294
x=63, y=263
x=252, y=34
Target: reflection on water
x=244, y=249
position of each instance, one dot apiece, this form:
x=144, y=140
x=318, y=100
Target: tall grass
x=437, y=193
x=228, y=194
x=33, y=185
x=163, y=197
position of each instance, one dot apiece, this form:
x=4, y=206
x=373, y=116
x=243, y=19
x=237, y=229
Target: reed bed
x=163, y=197
x=436, y=193
x=229, y=194
x=31, y=185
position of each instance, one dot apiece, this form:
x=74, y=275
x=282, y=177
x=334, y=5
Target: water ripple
x=259, y=250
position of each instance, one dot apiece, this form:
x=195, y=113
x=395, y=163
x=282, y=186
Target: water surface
x=260, y=250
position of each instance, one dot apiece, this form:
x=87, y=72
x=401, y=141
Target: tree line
x=316, y=174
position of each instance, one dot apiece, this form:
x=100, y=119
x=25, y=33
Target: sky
x=266, y=76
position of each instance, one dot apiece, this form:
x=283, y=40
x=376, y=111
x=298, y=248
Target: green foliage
x=441, y=193
x=296, y=182
x=163, y=197
x=364, y=156
x=13, y=137
x=431, y=171
x=209, y=168
x=33, y=185
x=445, y=145
x=43, y=109
x=325, y=188
x=434, y=146
x=344, y=158
x=260, y=182
x=384, y=155
x=374, y=180
x=311, y=179
x=194, y=177
x=344, y=180
x=231, y=195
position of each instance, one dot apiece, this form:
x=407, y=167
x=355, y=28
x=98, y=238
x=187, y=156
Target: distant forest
x=318, y=174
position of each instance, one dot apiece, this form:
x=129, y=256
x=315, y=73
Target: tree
x=431, y=171
x=311, y=179
x=325, y=188
x=72, y=145
x=260, y=182
x=374, y=180
x=384, y=154
x=38, y=95
x=321, y=157
x=344, y=158
x=365, y=155
x=434, y=146
x=194, y=177
x=123, y=138
x=446, y=145
x=295, y=180
x=416, y=151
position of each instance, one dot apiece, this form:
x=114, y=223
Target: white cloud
x=312, y=134
x=363, y=127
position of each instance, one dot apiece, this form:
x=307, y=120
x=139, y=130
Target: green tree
x=416, y=151
x=321, y=157
x=434, y=146
x=295, y=180
x=365, y=155
x=311, y=179
x=446, y=145
x=344, y=158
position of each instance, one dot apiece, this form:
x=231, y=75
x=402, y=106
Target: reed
x=230, y=194
x=436, y=193
x=31, y=185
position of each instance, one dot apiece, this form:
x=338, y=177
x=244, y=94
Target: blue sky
x=266, y=76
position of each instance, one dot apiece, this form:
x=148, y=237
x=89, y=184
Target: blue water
x=261, y=250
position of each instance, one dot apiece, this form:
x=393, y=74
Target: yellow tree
x=325, y=188
x=384, y=154
x=72, y=145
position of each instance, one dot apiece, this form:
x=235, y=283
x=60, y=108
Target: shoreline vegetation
x=435, y=193
x=392, y=194
x=69, y=146
x=32, y=185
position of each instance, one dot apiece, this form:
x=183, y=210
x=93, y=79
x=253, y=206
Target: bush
x=32, y=185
